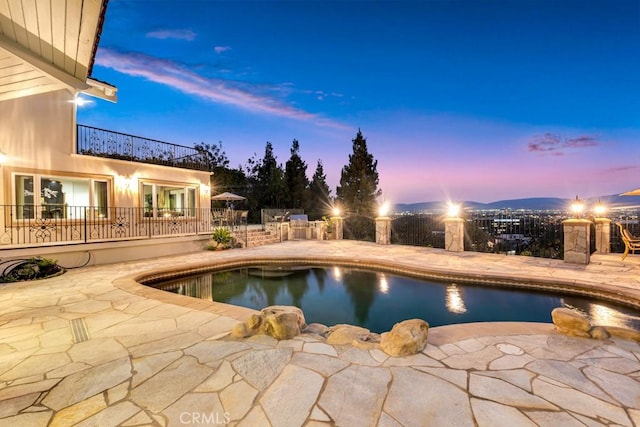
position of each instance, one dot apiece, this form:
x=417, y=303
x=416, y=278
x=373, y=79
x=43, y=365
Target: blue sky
x=466, y=100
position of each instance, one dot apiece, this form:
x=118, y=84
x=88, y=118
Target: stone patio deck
x=93, y=348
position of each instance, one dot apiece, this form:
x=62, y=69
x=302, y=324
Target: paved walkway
x=92, y=348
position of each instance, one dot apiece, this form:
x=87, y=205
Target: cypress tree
x=359, y=180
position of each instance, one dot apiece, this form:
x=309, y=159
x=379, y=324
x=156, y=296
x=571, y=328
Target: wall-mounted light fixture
x=80, y=101
x=336, y=211
x=124, y=182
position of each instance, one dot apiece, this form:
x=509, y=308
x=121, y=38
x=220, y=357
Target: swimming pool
x=376, y=300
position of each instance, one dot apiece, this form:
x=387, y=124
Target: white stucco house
x=71, y=192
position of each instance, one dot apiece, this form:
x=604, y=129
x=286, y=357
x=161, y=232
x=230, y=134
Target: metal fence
x=114, y=145
x=532, y=233
x=359, y=227
x=630, y=221
x=418, y=230
x=30, y=225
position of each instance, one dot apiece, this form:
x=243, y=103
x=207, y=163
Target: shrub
x=222, y=237
x=31, y=269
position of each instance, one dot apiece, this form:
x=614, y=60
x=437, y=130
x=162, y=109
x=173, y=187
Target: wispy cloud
x=322, y=95
x=251, y=97
x=172, y=34
x=556, y=145
x=618, y=169
x=581, y=142
x=221, y=49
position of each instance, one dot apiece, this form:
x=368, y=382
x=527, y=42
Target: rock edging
x=285, y=322
x=573, y=323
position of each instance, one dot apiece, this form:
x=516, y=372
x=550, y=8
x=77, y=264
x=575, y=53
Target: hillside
x=533, y=203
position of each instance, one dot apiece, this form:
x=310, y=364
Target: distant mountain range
x=533, y=203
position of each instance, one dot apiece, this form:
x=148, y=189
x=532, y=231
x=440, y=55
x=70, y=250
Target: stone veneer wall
x=577, y=241
x=454, y=234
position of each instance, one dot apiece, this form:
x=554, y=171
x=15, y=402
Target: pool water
x=377, y=300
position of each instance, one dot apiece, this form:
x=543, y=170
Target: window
x=168, y=200
x=60, y=196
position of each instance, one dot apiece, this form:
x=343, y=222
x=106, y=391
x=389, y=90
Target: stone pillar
x=603, y=235
x=383, y=230
x=454, y=234
x=338, y=226
x=284, y=231
x=317, y=229
x=577, y=240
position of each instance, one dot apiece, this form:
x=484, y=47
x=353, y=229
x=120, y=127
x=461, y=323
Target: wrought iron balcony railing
x=114, y=145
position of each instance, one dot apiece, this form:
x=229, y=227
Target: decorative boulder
x=345, y=334
x=282, y=322
x=316, y=329
x=405, y=338
x=570, y=322
x=624, y=333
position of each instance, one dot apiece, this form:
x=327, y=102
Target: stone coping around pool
x=586, y=288
x=134, y=284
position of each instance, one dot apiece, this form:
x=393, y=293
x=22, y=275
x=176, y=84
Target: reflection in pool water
x=377, y=300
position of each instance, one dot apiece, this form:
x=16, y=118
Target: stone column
x=338, y=225
x=577, y=240
x=317, y=230
x=454, y=234
x=284, y=231
x=383, y=230
x=603, y=235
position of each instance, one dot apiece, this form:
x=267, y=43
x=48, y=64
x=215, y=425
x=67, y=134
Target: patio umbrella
x=635, y=192
x=227, y=196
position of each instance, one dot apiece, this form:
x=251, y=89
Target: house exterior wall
x=38, y=134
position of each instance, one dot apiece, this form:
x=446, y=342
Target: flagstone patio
x=94, y=348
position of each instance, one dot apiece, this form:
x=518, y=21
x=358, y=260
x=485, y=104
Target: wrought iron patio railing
x=115, y=145
x=533, y=233
x=31, y=225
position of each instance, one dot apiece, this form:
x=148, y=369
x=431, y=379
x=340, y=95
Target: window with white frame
x=168, y=200
x=50, y=196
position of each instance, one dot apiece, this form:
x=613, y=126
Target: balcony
x=114, y=145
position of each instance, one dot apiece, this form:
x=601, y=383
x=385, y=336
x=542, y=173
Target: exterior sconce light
x=453, y=210
x=600, y=209
x=577, y=207
x=124, y=182
x=336, y=211
x=81, y=102
x=3, y=157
